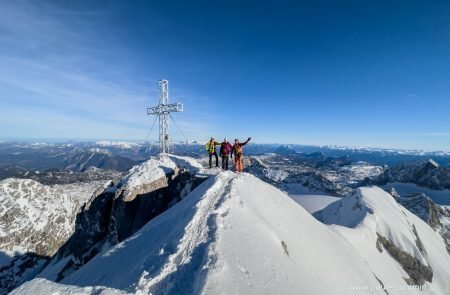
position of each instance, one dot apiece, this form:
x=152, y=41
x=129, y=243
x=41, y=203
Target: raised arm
x=244, y=143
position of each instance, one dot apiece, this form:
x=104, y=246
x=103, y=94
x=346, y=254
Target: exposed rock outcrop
x=119, y=211
x=418, y=273
x=132, y=210
x=20, y=269
x=437, y=216
x=36, y=220
x=402, y=234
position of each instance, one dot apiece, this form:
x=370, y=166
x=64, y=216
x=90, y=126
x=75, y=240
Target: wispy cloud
x=438, y=134
x=63, y=63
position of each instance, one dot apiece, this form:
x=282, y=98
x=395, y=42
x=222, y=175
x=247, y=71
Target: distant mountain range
x=426, y=173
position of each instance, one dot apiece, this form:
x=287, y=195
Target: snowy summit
x=235, y=234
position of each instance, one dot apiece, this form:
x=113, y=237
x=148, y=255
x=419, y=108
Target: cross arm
x=165, y=108
x=153, y=111
x=175, y=107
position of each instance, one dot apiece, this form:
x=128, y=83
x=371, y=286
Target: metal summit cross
x=163, y=110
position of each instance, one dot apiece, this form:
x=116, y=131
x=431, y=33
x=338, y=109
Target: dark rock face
x=90, y=231
x=433, y=214
x=382, y=179
x=21, y=269
x=423, y=207
x=393, y=192
x=115, y=214
x=132, y=211
x=418, y=273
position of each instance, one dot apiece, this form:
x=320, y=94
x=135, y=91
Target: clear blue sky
x=366, y=73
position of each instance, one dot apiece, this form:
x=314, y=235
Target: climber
x=237, y=151
x=225, y=149
x=211, y=148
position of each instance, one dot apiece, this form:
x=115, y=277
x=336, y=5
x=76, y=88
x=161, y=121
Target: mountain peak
x=432, y=163
x=234, y=233
x=285, y=150
x=216, y=240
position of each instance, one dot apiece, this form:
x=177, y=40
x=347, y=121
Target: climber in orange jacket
x=237, y=152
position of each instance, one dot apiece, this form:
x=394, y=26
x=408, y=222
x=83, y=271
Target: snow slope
x=45, y=287
x=234, y=234
x=370, y=213
x=314, y=203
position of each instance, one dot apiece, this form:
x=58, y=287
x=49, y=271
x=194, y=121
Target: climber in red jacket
x=225, y=150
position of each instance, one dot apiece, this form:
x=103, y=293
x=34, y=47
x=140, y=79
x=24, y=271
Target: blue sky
x=364, y=73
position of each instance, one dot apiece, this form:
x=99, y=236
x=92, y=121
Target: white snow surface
x=117, y=144
x=46, y=287
x=361, y=170
x=100, y=151
x=234, y=234
x=359, y=217
x=156, y=168
x=313, y=203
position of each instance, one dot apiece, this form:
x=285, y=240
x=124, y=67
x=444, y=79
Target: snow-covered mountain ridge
x=237, y=234
x=70, y=223
x=121, y=209
x=412, y=243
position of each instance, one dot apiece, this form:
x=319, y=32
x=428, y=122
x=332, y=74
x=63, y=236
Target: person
x=225, y=149
x=211, y=148
x=237, y=151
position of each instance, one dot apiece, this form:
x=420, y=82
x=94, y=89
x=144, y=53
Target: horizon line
x=50, y=140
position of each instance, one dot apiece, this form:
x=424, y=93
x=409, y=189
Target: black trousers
x=210, y=159
x=225, y=162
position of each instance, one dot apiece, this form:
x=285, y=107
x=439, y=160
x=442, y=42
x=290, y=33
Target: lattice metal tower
x=163, y=110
